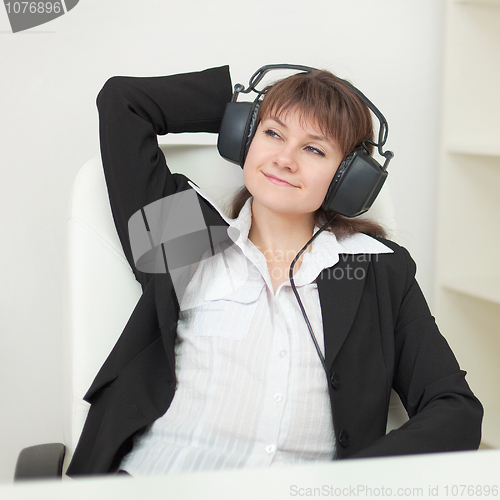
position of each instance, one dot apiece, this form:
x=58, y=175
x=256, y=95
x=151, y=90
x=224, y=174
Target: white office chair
x=101, y=289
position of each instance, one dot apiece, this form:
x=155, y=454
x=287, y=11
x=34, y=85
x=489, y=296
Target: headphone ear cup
x=237, y=129
x=355, y=185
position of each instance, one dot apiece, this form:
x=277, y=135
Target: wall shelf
x=468, y=217
x=490, y=150
x=483, y=288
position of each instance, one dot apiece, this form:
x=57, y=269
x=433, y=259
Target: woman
x=249, y=382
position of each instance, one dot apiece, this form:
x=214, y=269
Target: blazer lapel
x=340, y=288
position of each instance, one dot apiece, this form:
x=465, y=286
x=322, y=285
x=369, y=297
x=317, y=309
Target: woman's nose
x=286, y=157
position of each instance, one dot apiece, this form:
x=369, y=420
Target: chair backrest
x=101, y=289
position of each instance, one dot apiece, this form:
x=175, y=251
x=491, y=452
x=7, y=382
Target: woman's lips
x=277, y=181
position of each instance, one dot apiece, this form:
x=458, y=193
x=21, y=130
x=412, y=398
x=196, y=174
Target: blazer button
x=335, y=380
x=344, y=439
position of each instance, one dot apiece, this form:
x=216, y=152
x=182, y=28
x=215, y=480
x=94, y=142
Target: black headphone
x=359, y=177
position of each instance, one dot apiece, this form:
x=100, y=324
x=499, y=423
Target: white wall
x=50, y=76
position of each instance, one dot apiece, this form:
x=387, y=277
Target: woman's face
x=290, y=164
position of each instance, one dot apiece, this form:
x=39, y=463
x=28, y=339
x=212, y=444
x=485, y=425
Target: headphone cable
x=292, y=283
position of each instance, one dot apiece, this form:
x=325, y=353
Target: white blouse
x=251, y=390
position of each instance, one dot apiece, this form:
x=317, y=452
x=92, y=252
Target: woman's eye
x=315, y=150
x=271, y=133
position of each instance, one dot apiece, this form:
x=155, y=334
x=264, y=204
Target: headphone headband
x=256, y=78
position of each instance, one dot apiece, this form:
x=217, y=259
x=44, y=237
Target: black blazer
x=378, y=331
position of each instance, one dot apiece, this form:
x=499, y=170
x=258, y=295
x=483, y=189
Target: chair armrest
x=40, y=461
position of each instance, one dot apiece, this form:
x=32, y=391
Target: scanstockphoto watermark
x=352, y=267
x=373, y=491
x=170, y=235
x=357, y=490
x=25, y=15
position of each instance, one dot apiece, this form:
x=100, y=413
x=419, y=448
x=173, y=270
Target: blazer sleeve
x=132, y=112
x=444, y=413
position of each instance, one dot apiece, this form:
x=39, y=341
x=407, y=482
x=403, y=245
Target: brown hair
x=341, y=116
